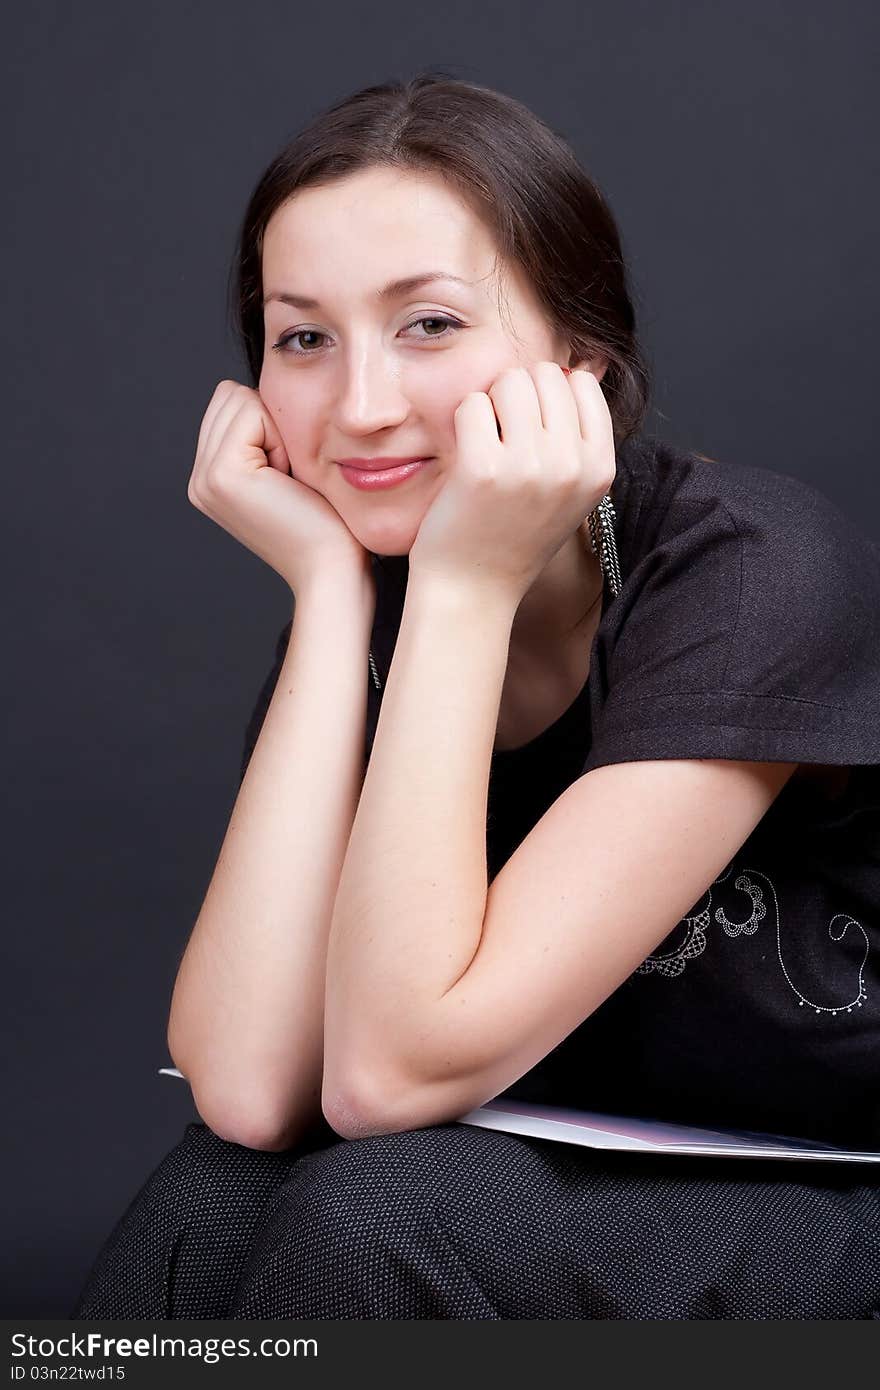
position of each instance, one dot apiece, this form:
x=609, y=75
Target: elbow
x=359, y=1107
x=238, y=1122
x=352, y=1103
x=345, y=1118
x=239, y=1116
x=249, y=1132
x=236, y=1129
x=356, y=1110
x=250, y=1121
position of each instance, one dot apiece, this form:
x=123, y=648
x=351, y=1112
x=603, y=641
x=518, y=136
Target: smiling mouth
x=381, y=462
x=372, y=479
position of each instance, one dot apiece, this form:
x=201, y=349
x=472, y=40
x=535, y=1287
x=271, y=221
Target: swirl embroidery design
x=673, y=962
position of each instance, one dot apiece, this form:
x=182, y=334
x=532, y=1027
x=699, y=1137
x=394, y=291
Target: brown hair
x=519, y=176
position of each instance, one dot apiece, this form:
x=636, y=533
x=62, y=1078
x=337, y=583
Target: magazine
x=638, y=1135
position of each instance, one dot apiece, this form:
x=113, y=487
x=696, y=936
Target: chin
x=386, y=541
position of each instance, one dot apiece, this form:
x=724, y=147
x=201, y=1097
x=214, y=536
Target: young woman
x=563, y=785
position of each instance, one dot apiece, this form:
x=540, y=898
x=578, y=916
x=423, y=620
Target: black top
x=747, y=626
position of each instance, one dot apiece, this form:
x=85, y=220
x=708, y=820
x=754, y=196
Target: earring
x=602, y=539
x=603, y=542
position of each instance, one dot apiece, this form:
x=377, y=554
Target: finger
x=254, y=430
x=273, y=444
x=475, y=427
x=592, y=408
x=221, y=422
x=516, y=405
x=221, y=392
x=559, y=409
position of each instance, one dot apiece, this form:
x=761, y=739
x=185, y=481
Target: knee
x=195, y=1165
x=204, y=1172
x=352, y=1231
x=388, y=1184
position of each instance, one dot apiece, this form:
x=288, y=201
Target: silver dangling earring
x=603, y=544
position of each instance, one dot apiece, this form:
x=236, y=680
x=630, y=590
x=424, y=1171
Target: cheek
x=288, y=406
x=293, y=416
x=439, y=399
x=478, y=368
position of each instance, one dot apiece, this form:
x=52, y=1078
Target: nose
x=370, y=396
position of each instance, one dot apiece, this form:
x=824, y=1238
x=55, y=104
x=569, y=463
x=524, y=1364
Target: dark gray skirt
x=458, y=1222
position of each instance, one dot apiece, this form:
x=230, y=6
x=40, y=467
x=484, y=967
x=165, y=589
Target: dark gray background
x=737, y=144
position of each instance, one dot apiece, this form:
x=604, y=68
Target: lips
x=370, y=465
x=375, y=478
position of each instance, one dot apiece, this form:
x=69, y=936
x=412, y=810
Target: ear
x=597, y=365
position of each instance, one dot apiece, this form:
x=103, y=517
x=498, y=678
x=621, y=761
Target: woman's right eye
x=298, y=333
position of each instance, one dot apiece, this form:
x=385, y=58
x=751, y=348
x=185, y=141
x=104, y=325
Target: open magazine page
x=637, y=1135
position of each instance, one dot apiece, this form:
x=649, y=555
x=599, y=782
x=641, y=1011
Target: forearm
x=247, y=1014
x=412, y=894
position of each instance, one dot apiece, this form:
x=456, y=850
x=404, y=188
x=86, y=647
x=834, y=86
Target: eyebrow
x=390, y=291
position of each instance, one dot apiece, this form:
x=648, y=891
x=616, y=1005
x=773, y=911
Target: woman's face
x=356, y=375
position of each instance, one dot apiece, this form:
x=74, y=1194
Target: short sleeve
x=749, y=630
x=255, y=723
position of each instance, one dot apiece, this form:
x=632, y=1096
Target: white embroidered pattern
x=673, y=962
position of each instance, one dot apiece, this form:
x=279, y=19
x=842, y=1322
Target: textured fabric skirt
x=458, y=1222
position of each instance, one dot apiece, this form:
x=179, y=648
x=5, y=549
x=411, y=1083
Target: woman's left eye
x=436, y=318
x=448, y=323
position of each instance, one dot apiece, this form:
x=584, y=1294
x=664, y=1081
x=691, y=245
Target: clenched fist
x=241, y=479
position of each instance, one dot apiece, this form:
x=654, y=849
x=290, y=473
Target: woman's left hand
x=511, y=502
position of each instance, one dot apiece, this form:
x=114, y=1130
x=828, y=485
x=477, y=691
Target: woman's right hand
x=241, y=479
